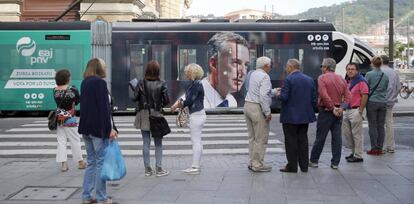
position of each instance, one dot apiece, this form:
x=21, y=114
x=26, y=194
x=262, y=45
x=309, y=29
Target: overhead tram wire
x=87, y=9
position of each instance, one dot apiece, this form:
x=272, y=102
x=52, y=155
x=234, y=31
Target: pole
x=343, y=21
x=408, y=43
x=391, y=34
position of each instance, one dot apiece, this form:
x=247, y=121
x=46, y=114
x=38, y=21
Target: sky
x=283, y=7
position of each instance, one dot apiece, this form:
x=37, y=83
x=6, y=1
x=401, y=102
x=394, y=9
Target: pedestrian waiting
x=151, y=93
x=194, y=97
x=298, y=96
x=377, y=106
x=333, y=99
x=66, y=98
x=97, y=128
x=354, y=114
x=257, y=113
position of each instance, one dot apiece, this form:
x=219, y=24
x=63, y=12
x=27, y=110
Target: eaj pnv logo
x=26, y=46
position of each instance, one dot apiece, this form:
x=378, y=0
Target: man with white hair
x=257, y=113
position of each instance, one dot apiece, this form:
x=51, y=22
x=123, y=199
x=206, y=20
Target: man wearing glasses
x=333, y=99
x=353, y=115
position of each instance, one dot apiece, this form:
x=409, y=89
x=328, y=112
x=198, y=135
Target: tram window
x=138, y=61
x=340, y=49
x=310, y=60
x=162, y=54
x=252, y=56
x=187, y=56
x=363, y=61
x=279, y=57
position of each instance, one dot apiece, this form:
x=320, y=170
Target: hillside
x=361, y=14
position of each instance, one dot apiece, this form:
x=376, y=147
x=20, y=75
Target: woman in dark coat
x=153, y=93
x=96, y=127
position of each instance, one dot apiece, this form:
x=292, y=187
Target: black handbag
x=52, y=120
x=158, y=124
x=52, y=117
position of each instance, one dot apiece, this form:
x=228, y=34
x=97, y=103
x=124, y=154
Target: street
x=29, y=173
x=222, y=134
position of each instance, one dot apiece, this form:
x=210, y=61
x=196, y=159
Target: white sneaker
x=192, y=171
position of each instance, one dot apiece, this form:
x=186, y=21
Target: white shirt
x=212, y=98
x=259, y=90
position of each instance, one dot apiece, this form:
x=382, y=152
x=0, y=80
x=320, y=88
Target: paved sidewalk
x=225, y=179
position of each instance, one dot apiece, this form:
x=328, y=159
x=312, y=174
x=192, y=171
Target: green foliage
x=360, y=14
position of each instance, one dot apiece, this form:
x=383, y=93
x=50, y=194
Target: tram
x=32, y=52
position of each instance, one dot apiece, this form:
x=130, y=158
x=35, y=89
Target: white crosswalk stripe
x=222, y=134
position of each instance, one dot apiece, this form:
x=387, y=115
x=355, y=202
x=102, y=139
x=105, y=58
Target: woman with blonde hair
x=96, y=127
x=194, y=97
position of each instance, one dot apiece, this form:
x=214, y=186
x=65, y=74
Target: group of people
x=97, y=127
x=340, y=103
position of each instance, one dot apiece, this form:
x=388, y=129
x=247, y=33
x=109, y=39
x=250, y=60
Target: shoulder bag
x=376, y=86
x=53, y=117
x=158, y=124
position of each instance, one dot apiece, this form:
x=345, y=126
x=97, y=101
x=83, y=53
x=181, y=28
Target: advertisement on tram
x=29, y=60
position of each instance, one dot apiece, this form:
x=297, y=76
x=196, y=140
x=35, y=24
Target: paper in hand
x=133, y=83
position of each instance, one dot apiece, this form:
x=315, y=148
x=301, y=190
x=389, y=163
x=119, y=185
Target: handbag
x=183, y=117
x=53, y=117
x=52, y=120
x=113, y=167
x=158, y=124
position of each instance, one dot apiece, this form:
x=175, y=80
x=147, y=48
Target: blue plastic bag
x=113, y=167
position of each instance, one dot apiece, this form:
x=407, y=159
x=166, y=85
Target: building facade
x=89, y=10
x=247, y=14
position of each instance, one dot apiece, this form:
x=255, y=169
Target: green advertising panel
x=29, y=60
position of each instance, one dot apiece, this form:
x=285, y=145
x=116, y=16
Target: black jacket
x=157, y=94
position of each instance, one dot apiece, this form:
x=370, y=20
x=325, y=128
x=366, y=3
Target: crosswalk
x=222, y=134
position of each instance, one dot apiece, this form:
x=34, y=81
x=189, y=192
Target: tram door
x=137, y=61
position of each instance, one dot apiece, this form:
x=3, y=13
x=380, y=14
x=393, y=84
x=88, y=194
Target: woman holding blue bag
x=96, y=127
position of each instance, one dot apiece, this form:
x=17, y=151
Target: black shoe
x=249, y=167
x=355, y=159
x=287, y=170
x=350, y=156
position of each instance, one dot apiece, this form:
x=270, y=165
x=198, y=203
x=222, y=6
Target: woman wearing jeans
x=156, y=99
x=194, y=97
x=376, y=107
x=97, y=128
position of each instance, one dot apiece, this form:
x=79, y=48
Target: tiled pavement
x=386, y=179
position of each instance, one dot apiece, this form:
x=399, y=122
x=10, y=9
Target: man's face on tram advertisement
x=232, y=67
x=229, y=66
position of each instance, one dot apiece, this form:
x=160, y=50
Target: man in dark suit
x=298, y=96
